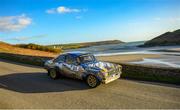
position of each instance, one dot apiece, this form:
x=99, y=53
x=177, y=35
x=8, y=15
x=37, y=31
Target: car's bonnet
x=105, y=66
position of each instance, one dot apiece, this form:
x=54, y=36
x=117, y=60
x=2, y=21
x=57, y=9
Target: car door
x=58, y=62
x=72, y=68
x=69, y=67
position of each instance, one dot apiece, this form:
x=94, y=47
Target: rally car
x=83, y=66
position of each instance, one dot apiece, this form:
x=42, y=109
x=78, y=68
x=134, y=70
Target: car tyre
x=53, y=74
x=92, y=81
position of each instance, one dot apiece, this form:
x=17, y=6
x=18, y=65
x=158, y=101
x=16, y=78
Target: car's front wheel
x=53, y=74
x=92, y=81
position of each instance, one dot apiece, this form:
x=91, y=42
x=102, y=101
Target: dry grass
x=7, y=48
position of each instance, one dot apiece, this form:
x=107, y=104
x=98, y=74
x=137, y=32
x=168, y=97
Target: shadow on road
x=39, y=83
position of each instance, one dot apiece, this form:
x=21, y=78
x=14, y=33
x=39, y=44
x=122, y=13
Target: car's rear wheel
x=53, y=74
x=92, y=81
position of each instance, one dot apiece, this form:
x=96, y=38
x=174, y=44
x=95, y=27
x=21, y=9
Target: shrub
x=40, y=47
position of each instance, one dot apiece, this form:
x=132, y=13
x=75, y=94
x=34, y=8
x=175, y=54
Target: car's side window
x=60, y=58
x=71, y=60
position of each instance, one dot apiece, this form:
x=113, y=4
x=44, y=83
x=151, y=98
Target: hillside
x=166, y=39
x=39, y=47
x=85, y=44
x=50, y=51
x=8, y=48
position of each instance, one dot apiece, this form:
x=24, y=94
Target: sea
x=168, y=59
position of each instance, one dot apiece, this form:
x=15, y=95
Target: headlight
x=103, y=73
x=119, y=67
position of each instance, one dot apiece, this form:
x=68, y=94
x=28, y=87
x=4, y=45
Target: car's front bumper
x=111, y=78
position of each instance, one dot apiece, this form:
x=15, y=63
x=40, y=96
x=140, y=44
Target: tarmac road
x=24, y=86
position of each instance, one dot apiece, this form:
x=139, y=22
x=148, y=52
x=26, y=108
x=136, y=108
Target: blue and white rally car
x=83, y=66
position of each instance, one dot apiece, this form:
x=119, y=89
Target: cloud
x=63, y=10
x=79, y=17
x=24, y=38
x=157, y=19
x=51, y=11
x=168, y=19
x=14, y=23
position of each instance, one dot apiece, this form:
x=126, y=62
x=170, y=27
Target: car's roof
x=76, y=54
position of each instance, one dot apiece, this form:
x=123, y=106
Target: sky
x=71, y=21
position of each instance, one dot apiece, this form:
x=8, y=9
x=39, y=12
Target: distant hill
x=85, y=44
x=166, y=39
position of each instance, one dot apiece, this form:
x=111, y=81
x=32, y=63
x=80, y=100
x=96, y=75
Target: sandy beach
x=159, y=58
x=173, y=50
x=127, y=57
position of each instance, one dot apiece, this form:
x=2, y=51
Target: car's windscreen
x=71, y=60
x=60, y=58
x=87, y=58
